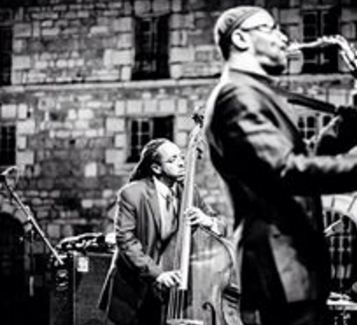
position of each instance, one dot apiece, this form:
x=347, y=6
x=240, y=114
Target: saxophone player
x=274, y=182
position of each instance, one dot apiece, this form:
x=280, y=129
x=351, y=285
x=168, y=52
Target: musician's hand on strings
x=169, y=278
x=196, y=217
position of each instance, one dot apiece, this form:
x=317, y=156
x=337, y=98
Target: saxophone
x=347, y=50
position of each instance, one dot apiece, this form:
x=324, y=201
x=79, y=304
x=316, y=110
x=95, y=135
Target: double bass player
x=145, y=223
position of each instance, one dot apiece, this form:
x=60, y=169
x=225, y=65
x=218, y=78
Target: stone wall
x=72, y=143
x=72, y=93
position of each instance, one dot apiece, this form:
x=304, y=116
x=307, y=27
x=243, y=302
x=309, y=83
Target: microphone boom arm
x=32, y=220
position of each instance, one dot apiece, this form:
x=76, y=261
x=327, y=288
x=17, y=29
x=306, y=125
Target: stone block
x=182, y=54
x=22, y=111
x=179, y=38
x=25, y=158
x=21, y=142
x=125, y=41
x=117, y=57
x=348, y=14
x=19, y=46
x=50, y=32
x=27, y=127
x=91, y=169
x=181, y=139
x=125, y=73
x=176, y=71
x=348, y=30
x=184, y=123
x=123, y=24
x=72, y=114
x=177, y=6
x=85, y=114
x=134, y=106
x=87, y=203
x=115, y=156
x=22, y=30
x=114, y=124
x=61, y=63
x=120, y=108
x=167, y=106
x=6, y=207
x=80, y=125
x=99, y=30
x=54, y=231
x=290, y=16
x=21, y=62
x=182, y=107
x=142, y=6
x=108, y=194
x=160, y=6
x=41, y=65
x=8, y=111
x=67, y=231
x=120, y=140
x=151, y=106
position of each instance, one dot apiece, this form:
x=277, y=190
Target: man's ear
x=156, y=168
x=240, y=40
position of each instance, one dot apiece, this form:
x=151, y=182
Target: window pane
x=5, y=54
x=151, y=48
x=7, y=145
x=318, y=23
x=146, y=130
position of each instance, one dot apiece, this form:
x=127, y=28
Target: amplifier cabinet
x=75, y=289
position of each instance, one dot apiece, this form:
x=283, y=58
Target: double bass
x=208, y=293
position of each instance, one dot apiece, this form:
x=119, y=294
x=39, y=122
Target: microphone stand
x=26, y=210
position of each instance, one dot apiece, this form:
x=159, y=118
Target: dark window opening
x=12, y=271
x=5, y=55
x=142, y=130
x=151, y=48
x=317, y=23
x=7, y=145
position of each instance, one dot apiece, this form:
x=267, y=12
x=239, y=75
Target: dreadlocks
x=149, y=155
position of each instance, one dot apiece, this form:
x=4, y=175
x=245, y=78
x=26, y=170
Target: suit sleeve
x=129, y=245
x=249, y=136
x=219, y=224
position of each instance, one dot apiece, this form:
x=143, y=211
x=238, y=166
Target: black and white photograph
x=178, y=162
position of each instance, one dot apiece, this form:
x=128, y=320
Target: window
x=7, y=144
x=151, y=48
x=307, y=126
x=317, y=23
x=142, y=130
x=5, y=55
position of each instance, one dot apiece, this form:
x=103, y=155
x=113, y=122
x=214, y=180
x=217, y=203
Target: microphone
x=6, y=172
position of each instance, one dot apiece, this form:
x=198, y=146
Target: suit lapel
x=153, y=203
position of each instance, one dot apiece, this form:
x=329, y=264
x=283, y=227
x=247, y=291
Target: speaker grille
x=76, y=288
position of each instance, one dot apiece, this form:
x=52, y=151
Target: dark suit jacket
x=275, y=186
x=137, y=228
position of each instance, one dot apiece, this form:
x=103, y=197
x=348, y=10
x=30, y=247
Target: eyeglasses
x=263, y=28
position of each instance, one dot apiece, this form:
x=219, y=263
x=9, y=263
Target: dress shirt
x=168, y=216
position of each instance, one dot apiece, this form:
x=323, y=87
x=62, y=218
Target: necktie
x=170, y=215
